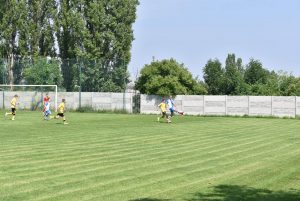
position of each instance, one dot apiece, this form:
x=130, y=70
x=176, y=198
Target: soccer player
x=47, y=111
x=163, y=109
x=171, y=105
x=61, y=111
x=46, y=107
x=46, y=99
x=13, y=105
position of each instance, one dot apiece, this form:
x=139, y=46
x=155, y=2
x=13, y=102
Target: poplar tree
x=94, y=36
x=41, y=37
x=13, y=28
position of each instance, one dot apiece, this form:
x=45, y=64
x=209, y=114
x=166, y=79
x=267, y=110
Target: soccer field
x=132, y=157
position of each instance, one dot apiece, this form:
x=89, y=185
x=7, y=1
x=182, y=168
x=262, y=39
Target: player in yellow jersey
x=163, y=108
x=61, y=111
x=13, y=105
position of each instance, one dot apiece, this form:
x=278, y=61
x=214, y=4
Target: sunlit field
x=120, y=157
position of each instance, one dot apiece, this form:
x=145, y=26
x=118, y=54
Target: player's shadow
x=244, y=193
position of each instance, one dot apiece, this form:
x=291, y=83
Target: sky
x=194, y=31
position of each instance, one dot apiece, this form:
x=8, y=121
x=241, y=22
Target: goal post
x=5, y=86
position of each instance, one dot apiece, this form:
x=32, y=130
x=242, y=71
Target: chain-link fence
x=70, y=75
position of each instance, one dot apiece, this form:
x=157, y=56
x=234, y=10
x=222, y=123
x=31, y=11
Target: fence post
x=295, y=106
x=80, y=84
x=3, y=105
x=92, y=100
x=272, y=106
x=141, y=102
x=124, y=101
x=203, y=105
x=225, y=105
x=248, y=105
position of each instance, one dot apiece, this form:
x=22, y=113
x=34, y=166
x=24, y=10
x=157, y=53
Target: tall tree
x=233, y=79
x=93, y=35
x=96, y=36
x=255, y=73
x=41, y=16
x=13, y=24
x=43, y=71
x=214, y=76
x=168, y=77
x=70, y=32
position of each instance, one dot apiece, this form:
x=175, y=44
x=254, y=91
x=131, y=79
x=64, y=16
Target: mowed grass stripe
x=160, y=178
x=118, y=181
x=108, y=194
x=191, y=187
x=103, y=153
x=109, y=153
x=178, y=129
x=252, y=141
x=72, y=149
x=271, y=175
x=123, y=167
x=188, y=187
x=88, y=140
x=68, y=136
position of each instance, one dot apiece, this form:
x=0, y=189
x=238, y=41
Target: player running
x=46, y=99
x=13, y=105
x=171, y=106
x=61, y=110
x=47, y=111
x=46, y=107
x=163, y=109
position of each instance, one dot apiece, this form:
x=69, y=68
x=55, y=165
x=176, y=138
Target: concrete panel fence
x=280, y=106
x=95, y=100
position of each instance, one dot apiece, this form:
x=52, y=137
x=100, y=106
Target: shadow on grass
x=149, y=199
x=244, y=193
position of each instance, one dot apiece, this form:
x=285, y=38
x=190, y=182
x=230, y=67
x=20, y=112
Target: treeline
x=168, y=77
x=68, y=35
x=250, y=79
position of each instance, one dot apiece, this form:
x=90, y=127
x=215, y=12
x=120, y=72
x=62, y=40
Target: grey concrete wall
x=260, y=105
x=229, y=105
x=215, y=105
x=237, y=105
x=284, y=106
x=193, y=105
x=99, y=101
x=27, y=100
x=288, y=106
x=298, y=106
x=149, y=104
x=1, y=99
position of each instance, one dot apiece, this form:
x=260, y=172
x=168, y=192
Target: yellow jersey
x=162, y=106
x=61, y=108
x=13, y=102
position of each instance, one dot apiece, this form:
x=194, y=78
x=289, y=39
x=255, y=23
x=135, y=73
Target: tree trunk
x=10, y=69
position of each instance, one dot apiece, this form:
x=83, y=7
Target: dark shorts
x=164, y=114
x=172, y=112
x=60, y=114
x=13, y=111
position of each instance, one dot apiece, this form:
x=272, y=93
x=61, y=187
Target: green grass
x=119, y=157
